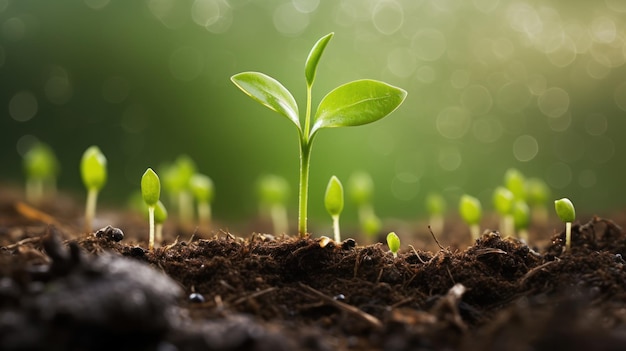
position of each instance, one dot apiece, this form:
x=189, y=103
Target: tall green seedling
x=41, y=168
x=203, y=190
x=273, y=191
x=352, y=104
x=565, y=210
x=333, y=201
x=471, y=212
x=93, y=171
x=150, y=191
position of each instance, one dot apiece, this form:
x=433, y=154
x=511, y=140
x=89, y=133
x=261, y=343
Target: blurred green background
x=493, y=84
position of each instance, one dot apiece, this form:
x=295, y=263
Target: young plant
x=176, y=180
x=371, y=226
x=352, y=104
x=160, y=216
x=203, y=190
x=393, y=241
x=150, y=191
x=361, y=190
x=273, y=193
x=538, y=194
x=436, y=207
x=93, y=171
x=41, y=168
x=333, y=201
x=565, y=210
x=503, y=200
x=515, y=181
x=521, y=218
x=471, y=212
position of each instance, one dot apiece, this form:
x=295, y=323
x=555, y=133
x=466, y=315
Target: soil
x=64, y=289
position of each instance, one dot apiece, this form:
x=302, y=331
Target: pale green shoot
x=273, y=193
x=436, y=207
x=538, y=194
x=150, y=191
x=565, y=210
x=371, y=225
x=93, y=171
x=521, y=218
x=203, y=190
x=41, y=167
x=471, y=212
x=515, y=181
x=160, y=216
x=333, y=201
x=393, y=241
x=361, y=191
x=352, y=104
x=503, y=200
x=176, y=181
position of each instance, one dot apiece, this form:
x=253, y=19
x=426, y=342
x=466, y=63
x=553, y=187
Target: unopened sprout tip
x=565, y=210
x=333, y=201
x=150, y=191
x=93, y=171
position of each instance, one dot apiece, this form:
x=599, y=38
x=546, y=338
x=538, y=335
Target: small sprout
x=515, y=181
x=333, y=201
x=160, y=216
x=436, y=207
x=565, y=210
x=521, y=218
x=150, y=191
x=361, y=191
x=538, y=194
x=371, y=225
x=41, y=167
x=352, y=104
x=471, y=212
x=273, y=193
x=93, y=170
x=503, y=200
x=176, y=181
x=203, y=190
x=393, y=241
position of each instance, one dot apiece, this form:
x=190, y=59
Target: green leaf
x=503, y=200
x=565, y=210
x=435, y=204
x=393, y=241
x=150, y=187
x=310, y=67
x=269, y=93
x=361, y=188
x=357, y=103
x=160, y=213
x=202, y=187
x=333, y=200
x=470, y=209
x=93, y=168
x=521, y=215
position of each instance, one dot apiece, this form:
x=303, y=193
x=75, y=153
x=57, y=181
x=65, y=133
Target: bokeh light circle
x=554, y=102
x=525, y=148
x=429, y=44
x=476, y=99
x=388, y=16
x=23, y=106
x=453, y=122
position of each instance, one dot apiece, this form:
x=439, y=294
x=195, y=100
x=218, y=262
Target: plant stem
x=151, y=219
x=336, y=229
x=568, y=235
x=475, y=230
x=185, y=207
x=159, y=232
x=279, y=219
x=90, y=208
x=303, y=194
x=204, y=213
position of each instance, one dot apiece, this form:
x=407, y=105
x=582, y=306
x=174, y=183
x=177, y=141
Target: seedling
x=538, y=194
x=393, y=241
x=352, y=104
x=333, y=201
x=273, y=192
x=160, y=216
x=41, y=168
x=503, y=200
x=93, y=170
x=436, y=207
x=150, y=191
x=203, y=190
x=565, y=210
x=521, y=218
x=471, y=212
x=361, y=191
x=176, y=180
x=515, y=181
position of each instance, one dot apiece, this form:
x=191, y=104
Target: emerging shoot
x=565, y=210
x=515, y=181
x=503, y=200
x=393, y=241
x=150, y=191
x=41, y=168
x=471, y=212
x=176, y=181
x=333, y=201
x=436, y=207
x=371, y=225
x=160, y=216
x=203, y=190
x=352, y=104
x=273, y=193
x=521, y=218
x=538, y=194
x=93, y=171
x=361, y=191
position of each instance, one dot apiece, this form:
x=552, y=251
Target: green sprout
x=177, y=182
x=471, y=212
x=273, y=193
x=436, y=207
x=160, y=216
x=361, y=191
x=393, y=241
x=538, y=194
x=41, y=167
x=515, y=181
x=93, y=171
x=203, y=190
x=333, y=201
x=521, y=218
x=371, y=225
x=150, y=191
x=565, y=210
x=503, y=200
x=352, y=104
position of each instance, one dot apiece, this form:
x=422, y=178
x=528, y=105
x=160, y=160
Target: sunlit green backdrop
x=536, y=85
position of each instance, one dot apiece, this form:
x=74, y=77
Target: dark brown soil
x=61, y=289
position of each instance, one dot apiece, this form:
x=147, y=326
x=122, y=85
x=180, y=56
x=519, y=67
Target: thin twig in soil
x=375, y=322
x=22, y=242
x=416, y=254
x=434, y=237
x=253, y=295
x=533, y=271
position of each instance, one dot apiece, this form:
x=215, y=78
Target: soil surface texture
x=62, y=288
